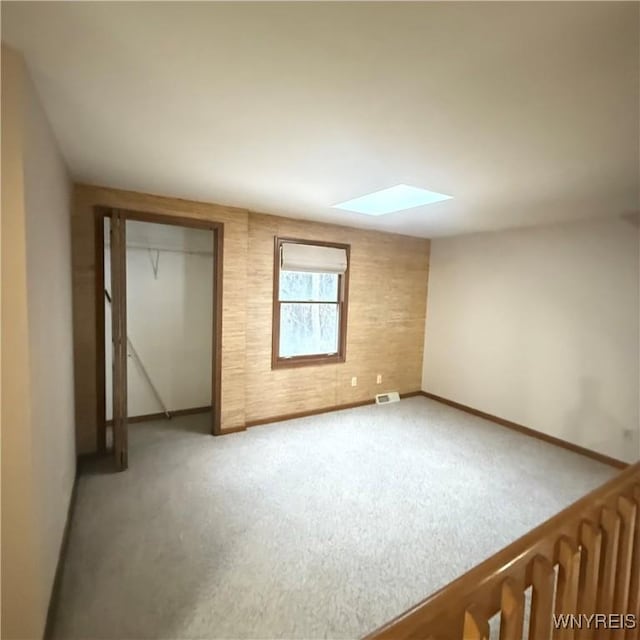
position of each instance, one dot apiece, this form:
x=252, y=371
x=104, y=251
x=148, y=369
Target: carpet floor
x=320, y=527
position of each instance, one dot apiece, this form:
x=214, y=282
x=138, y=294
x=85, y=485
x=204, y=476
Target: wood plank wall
x=387, y=305
x=387, y=299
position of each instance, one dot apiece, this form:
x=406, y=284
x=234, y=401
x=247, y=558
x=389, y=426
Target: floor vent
x=386, y=398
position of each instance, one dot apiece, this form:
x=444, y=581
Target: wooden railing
x=585, y=560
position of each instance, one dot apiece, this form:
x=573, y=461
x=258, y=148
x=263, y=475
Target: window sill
x=306, y=361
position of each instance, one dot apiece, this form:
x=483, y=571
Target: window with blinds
x=310, y=302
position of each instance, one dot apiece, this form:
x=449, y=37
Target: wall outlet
x=354, y=381
x=628, y=434
x=379, y=379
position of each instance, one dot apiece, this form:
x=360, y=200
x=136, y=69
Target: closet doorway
x=159, y=322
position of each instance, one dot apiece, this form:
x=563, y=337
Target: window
x=310, y=289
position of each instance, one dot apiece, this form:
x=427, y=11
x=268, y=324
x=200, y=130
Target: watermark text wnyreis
x=595, y=621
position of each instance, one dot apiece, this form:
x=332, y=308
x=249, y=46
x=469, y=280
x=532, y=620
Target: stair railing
x=583, y=568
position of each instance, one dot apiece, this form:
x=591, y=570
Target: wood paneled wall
x=387, y=298
x=387, y=301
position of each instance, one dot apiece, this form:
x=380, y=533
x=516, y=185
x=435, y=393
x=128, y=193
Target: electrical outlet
x=379, y=379
x=354, y=381
x=628, y=434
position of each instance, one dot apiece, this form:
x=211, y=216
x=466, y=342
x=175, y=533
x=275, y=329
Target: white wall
x=48, y=211
x=169, y=321
x=38, y=435
x=540, y=326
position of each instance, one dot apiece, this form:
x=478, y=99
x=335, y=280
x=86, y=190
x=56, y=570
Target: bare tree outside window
x=309, y=315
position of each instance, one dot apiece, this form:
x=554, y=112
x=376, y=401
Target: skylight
x=397, y=198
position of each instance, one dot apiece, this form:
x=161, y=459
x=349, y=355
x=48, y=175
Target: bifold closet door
x=119, y=337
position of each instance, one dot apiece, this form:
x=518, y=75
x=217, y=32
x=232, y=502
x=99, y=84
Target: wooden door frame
x=118, y=282
x=102, y=212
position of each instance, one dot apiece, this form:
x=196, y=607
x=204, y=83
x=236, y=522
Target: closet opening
x=159, y=316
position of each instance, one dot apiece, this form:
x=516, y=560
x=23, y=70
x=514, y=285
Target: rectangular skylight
x=397, y=198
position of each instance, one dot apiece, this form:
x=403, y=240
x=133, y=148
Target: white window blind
x=312, y=258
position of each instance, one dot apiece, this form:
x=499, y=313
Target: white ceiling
x=525, y=112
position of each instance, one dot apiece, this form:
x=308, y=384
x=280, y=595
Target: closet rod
x=141, y=248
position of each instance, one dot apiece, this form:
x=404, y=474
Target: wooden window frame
x=343, y=308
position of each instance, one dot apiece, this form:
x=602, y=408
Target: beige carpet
x=322, y=527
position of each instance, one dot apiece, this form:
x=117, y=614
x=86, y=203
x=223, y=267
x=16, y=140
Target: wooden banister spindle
x=627, y=513
x=634, y=587
x=543, y=581
x=512, y=610
x=476, y=626
x=591, y=541
x=610, y=525
x=568, y=577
